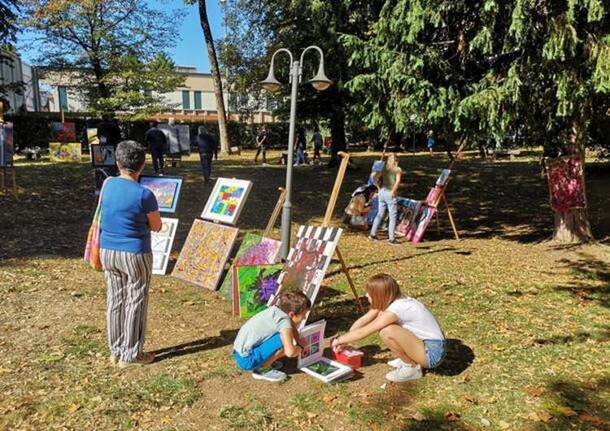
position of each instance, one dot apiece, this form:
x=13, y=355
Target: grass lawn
x=527, y=322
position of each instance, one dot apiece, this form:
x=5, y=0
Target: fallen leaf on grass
x=534, y=392
x=544, y=416
x=566, y=411
x=470, y=399
x=72, y=408
x=593, y=420
x=418, y=416
x=452, y=416
x=503, y=425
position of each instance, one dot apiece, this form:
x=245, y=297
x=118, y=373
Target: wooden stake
x=276, y=212
x=455, y=232
x=63, y=118
x=330, y=209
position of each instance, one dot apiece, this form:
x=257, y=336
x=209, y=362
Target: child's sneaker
x=268, y=374
x=404, y=374
x=397, y=363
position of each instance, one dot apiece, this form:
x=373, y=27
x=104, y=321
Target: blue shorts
x=435, y=352
x=259, y=354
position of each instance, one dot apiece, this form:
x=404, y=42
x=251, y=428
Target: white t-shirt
x=415, y=317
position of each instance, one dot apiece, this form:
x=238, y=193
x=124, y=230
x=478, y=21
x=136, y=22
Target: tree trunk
x=572, y=226
x=337, y=133
x=220, y=103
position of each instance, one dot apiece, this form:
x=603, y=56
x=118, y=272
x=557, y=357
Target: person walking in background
x=390, y=181
x=208, y=148
x=431, y=142
x=261, y=144
x=299, y=145
x=128, y=213
x=156, y=142
x=318, y=141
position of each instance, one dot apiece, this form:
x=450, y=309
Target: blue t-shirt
x=124, y=226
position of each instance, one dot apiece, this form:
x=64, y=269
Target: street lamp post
x=320, y=82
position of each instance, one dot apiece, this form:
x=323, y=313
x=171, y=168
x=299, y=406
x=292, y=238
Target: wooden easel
x=442, y=196
x=276, y=212
x=8, y=168
x=330, y=209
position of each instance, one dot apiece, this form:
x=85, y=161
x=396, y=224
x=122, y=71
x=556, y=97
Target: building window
x=186, y=100
x=63, y=98
x=233, y=102
x=197, y=99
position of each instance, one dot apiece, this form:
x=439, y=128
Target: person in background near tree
x=156, y=142
x=129, y=212
x=208, y=148
x=390, y=181
x=108, y=131
x=431, y=141
x=318, y=141
x=299, y=145
x=261, y=144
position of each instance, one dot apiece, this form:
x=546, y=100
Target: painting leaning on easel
x=62, y=152
x=161, y=244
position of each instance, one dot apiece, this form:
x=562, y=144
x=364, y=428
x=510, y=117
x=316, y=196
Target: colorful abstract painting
x=60, y=152
x=308, y=260
x=227, y=200
x=103, y=156
x=424, y=218
x=205, y=253
x=254, y=250
x=565, y=184
x=409, y=210
x=165, y=189
x=255, y=285
x=7, y=148
x=62, y=132
x=161, y=244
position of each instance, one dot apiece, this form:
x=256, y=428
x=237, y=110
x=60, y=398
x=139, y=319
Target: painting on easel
x=226, y=200
x=308, y=260
x=161, y=244
x=103, y=156
x=7, y=148
x=165, y=189
x=254, y=286
x=60, y=152
x=62, y=132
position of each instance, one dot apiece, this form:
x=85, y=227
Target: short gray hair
x=130, y=156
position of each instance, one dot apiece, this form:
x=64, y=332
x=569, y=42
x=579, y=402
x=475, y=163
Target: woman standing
x=129, y=213
x=390, y=182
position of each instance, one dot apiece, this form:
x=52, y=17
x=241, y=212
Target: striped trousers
x=127, y=277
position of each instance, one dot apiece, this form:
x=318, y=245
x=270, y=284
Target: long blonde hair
x=383, y=290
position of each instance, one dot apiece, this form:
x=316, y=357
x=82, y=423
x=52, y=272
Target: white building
x=14, y=71
x=195, y=100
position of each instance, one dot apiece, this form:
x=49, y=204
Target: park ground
x=527, y=321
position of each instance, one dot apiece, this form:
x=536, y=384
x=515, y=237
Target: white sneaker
x=269, y=374
x=404, y=374
x=397, y=363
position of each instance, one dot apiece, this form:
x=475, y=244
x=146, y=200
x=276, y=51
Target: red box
x=353, y=358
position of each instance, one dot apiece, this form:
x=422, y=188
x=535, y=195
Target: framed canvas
x=60, y=152
x=227, y=200
x=92, y=137
x=161, y=243
x=312, y=360
x=205, y=253
x=444, y=176
x=7, y=148
x=422, y=222
x=184, y=138
x=308, y=260
x=253, y=250
x=172, y=137
x=165, y=189
x=62, y=132
x=254, y=285
x=103, y=156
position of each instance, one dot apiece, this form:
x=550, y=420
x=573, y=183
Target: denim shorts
x=259, y=354
x=435, y=352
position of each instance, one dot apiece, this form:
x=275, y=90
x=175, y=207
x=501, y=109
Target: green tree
x=491, y=69
x=257, y=29
x=8, y=30
x=112, y=50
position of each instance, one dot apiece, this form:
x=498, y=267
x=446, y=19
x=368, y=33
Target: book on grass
x=311, y=359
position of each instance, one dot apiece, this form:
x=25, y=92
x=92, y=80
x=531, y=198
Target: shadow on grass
x=458, y=358
x=578, y=337
x=575, y=405
x=225, y=338
x=591, y=281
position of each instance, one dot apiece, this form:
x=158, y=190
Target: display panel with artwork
x=92, y=137
x=253, y=250
x=103, y=156
x=161, y=244
x=227, y=200
x=205, y=253
x=565, y=184
x=7, y=148
x=60, y=152
x=165, y=189
x=308, y=260
x=254, y=286
x=62, y=132
x=421, y=224
x=312, y=360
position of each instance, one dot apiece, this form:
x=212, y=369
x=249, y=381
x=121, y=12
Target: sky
x=190, y=50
